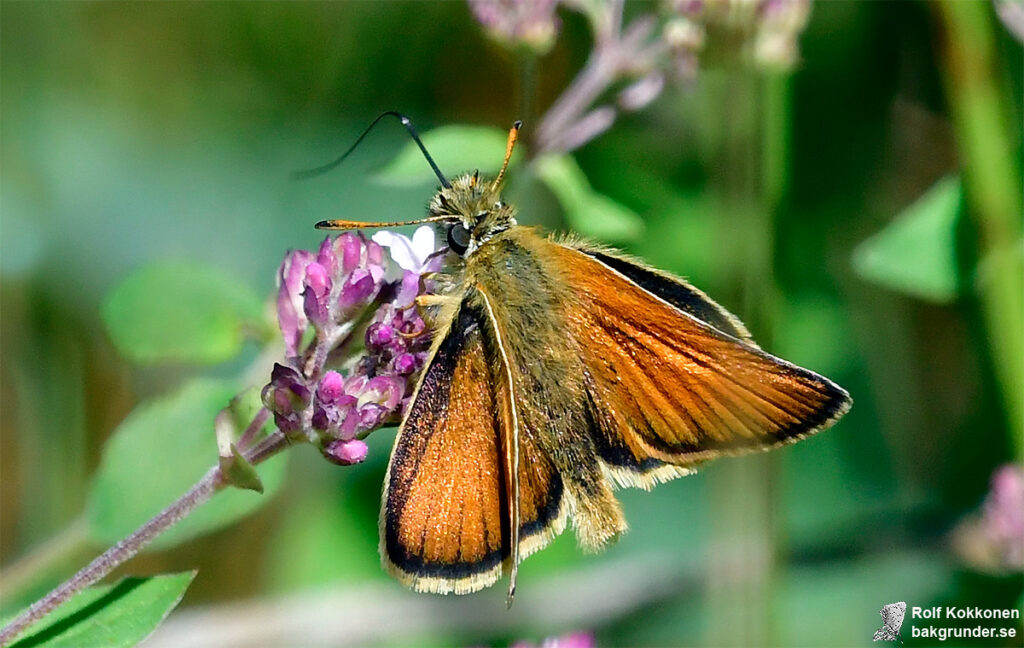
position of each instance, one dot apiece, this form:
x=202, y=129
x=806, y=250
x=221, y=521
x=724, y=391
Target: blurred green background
x=134, y=133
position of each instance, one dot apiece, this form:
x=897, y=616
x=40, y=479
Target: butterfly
x=560, y=370
x=892, y=621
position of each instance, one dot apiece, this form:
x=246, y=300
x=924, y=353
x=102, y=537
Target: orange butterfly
x=560, y=370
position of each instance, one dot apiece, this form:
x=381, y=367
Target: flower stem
x=112, y=558
x=28, y=570
x=254, y=427
x=987, y=145
x=116, y=555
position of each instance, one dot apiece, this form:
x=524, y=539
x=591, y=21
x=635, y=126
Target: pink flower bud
x=346, y=453
x=350, y=249
x=291, y=316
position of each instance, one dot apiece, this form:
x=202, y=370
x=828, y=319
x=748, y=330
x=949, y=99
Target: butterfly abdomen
x=547, y=371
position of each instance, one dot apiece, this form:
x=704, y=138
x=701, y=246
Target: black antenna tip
x=312, y=173
x=517, y=124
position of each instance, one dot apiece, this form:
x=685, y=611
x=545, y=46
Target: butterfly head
x=469, y=209
x=476, y=212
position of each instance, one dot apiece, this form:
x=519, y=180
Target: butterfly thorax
x=476, y=209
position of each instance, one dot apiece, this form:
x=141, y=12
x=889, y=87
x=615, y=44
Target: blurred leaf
x=814, y=332
x=588, y=212
x=111, y=615
x=179, y=312
x=244, y=407
x=810, y=611
x=916, y=252
x=455, y=149
x=323, y=540
x=680, y=235
x=160, y=450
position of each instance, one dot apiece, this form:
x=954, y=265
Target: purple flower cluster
x=345, y=408
x=328, y=293
x=395, y=343
x=993, y=539
x=519, y=23
x=769, y=28
x=1003, y=515
x=327, y=288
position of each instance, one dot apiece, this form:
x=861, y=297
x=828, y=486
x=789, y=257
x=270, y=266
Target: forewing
x=444, y=516
x=669, y=389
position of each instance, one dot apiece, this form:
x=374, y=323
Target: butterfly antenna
x=351, y=224
x=513, y=135
x=312, y=173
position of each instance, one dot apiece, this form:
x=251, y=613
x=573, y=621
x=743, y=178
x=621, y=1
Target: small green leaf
x=180, y=312
x=122, y=614
x=238, y=472
x=916, y=253
x=588, y=212
x=456, y=149
x=160, y=450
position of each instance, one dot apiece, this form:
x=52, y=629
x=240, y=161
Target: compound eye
x=458, y=238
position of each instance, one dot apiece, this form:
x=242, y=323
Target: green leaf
x=916, y=253
x=588, y=212
x=326, y=524
x=160, y=450
x=180, y=312
x=456, y=149
x=238, y=472
x=122, y=614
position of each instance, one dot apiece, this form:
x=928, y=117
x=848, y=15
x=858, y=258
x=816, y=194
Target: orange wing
x=673, y=379
x=445, y=512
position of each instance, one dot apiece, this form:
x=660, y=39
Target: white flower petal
x=384, y=237
x=400, y=247
x=423, y=243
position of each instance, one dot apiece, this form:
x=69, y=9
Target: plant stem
x=112, y=558
x=753, y=172
x=116, y=555
x=27, y=570
x=254, y=427
x=614, y=52
x=987, y=145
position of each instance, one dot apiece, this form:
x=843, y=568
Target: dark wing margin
x=675, y=291
x=444, y=524
x=444, y=521
x=667, y=389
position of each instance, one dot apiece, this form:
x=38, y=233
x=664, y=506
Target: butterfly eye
x=458, y=238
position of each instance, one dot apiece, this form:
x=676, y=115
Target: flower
x=780, y=23
x=346, y=453
x=528, y=23
x=345, y=408
x=291, y=315
x=414, y=255
x=570, y=640
x=324, y=290
x=766, y=30
x=993, y=538
x=287, y=397
x=329, y=291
